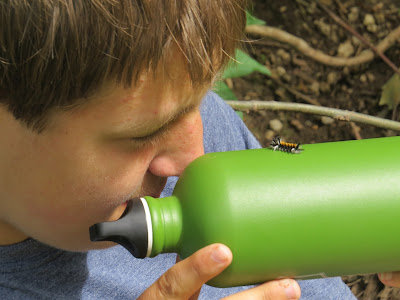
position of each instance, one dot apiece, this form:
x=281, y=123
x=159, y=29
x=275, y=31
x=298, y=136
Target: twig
x=296, y=93
x=338, y=114
x=395, y=105
x=306, y=49
x=350, y=284
x=268, y=43
x=356, y=131
x=359, y=36
x=342, y=8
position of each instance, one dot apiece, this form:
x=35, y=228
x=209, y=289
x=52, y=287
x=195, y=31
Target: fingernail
x=292, y=290
x=220, y=254
x=387, y=276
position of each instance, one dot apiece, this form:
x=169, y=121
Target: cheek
x=85, y=188
x=64, y=219
x=191, y=137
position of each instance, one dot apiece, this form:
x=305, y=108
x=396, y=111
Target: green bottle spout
x=166, y=219
x=149, y=226
x=131, y=230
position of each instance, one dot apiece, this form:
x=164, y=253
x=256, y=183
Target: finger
x=390, y=278
x=186, y=277
x=196, y=295
x=284, y=289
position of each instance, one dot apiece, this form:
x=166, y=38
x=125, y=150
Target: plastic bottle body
x=332, y=210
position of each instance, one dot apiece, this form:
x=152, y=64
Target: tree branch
x=338, y=114
x=359, y=36
x=306, y=49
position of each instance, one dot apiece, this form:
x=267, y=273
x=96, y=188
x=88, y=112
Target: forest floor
x=300, y=79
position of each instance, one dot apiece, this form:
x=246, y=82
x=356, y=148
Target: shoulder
x=223, y=129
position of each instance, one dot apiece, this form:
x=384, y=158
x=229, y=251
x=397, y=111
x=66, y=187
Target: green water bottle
x=333, y=209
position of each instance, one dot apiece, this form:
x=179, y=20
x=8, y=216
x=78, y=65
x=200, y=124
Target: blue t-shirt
x=32, y=270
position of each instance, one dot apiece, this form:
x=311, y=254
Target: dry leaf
x=391, y=92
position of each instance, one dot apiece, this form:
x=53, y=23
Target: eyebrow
x=159, y=132
x=155, y=128
x=173, y=119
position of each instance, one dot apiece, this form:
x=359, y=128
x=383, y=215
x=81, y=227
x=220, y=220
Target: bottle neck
x=166, y=224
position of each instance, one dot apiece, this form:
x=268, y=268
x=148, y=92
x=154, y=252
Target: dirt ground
x=357, y=88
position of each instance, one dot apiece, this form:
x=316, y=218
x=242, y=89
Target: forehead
x=149, y=101
x=153, y=99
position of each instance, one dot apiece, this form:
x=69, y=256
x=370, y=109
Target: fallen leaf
x=391, y=92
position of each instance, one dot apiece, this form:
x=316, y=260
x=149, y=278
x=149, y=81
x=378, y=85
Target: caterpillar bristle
x=277, y=144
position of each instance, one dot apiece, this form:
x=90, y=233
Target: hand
x=390, y=278
x=184, y=280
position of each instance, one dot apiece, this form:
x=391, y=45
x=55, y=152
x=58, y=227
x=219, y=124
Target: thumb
x=187, y=276
x=390, y=278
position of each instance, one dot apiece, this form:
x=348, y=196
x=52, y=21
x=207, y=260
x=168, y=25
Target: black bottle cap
x=130, y=230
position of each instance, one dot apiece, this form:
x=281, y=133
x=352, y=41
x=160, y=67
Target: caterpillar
x=277, y=144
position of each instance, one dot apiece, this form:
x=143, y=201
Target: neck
x=10, y=235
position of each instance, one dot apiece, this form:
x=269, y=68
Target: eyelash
x=160, y=134
x=152, y=138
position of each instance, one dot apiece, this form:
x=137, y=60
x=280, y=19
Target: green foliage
x=244, y=65
x=240, y=66
x=391, y=92
x=222, y=89
x=252, y=20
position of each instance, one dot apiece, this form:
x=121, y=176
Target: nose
x=183, y=144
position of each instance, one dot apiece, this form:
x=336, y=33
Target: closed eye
x=152, y=138
x=158, y=135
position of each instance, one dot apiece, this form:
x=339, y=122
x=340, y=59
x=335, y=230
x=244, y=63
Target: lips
x=155, y=195
x=154, y=190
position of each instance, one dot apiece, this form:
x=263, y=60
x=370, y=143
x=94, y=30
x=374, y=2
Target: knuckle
x=266, y=295
x=198, y=268
x=167, y=285
x=273, y=291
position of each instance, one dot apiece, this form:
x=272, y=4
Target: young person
x=101, y=101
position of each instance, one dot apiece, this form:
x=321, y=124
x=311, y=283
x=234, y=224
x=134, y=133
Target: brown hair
x=53, y=52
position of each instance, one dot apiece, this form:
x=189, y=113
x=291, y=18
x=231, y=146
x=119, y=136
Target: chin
x=83, y=247
x=100, y=245
x=118, y=212
x=77, y=239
